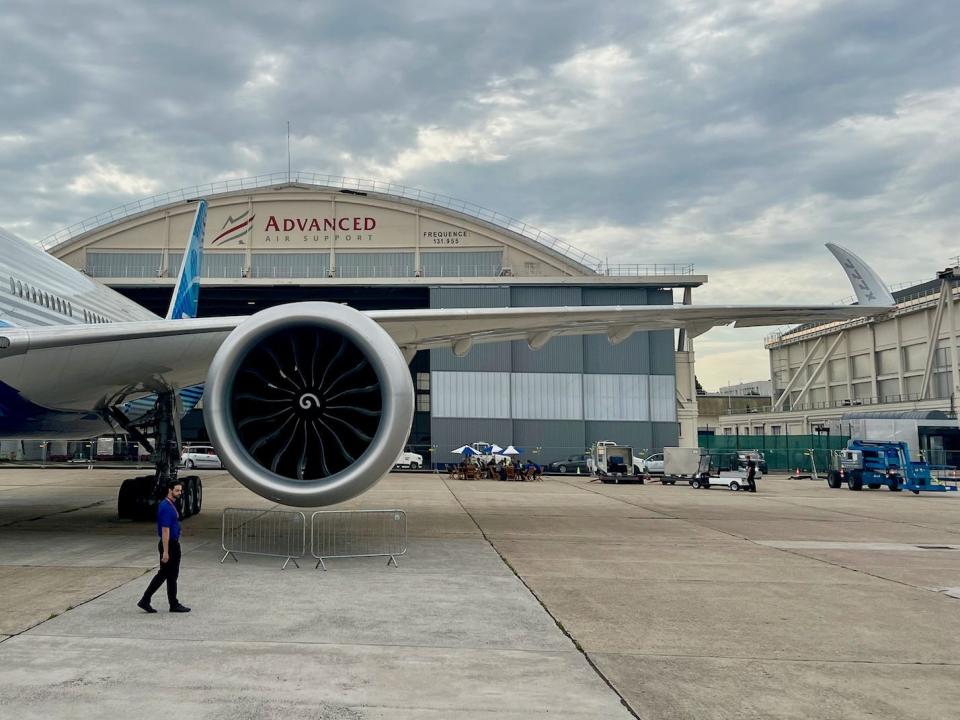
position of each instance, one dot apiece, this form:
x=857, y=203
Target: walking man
x=752, y=475
x=168, y=528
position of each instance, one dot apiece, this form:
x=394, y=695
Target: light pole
x=43, y=457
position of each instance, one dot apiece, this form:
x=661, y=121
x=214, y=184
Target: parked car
x=200, y=456
x=571, y=464
x=411, y=460
x=653, y=464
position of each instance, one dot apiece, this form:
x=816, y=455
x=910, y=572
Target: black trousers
x=168, y=573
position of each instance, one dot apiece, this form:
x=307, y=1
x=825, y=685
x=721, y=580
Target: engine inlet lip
x=396, y=395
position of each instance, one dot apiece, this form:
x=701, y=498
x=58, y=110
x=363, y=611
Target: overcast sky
x=739, y=136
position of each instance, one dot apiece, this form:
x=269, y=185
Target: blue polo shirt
x=167, y=517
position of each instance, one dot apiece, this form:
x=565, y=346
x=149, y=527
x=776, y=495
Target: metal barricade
x=274, y=533
x=358, y=533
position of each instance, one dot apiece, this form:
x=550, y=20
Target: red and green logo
x=234, y=228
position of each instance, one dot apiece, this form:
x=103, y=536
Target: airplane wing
x=92, y=366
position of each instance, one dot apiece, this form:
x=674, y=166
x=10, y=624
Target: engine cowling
x=308, y=403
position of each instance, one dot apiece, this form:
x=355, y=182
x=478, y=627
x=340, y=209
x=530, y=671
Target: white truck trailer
x=613, y=463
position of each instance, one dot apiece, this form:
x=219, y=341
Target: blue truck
x=878, y=464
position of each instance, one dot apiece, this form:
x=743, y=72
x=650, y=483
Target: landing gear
x=138, y=497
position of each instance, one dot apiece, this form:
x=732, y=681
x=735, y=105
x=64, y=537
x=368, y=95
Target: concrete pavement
x=514, y=600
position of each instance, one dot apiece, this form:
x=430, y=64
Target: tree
x=700, y=390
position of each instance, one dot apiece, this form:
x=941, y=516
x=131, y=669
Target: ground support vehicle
x=411, y=460
x=686, y=465
x=614, y=463
x=732, y=479
x=878, y=464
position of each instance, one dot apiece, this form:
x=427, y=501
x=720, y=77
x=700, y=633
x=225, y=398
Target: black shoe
x=179, y=608
x=145, y=606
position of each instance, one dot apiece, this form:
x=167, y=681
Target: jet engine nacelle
x=309, y=403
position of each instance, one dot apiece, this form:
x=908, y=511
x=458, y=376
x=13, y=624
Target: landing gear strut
x=138, y=497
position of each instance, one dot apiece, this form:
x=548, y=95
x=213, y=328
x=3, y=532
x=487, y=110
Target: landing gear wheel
x=135, y=500
x=188, y=497
x=198, y=497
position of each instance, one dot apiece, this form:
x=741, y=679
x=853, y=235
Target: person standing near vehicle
x=168, y=528
x=752, y=475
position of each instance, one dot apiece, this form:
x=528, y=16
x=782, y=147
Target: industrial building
x=286, y=238
x=903, y=361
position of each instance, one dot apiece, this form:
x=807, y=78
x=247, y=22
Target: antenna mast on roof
x=288, y=152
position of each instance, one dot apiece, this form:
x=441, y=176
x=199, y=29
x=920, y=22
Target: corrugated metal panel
x=615, y=296
x=616, y=397
x=631, y=357
x=173, y=263
x=557, y=396
x=470, y=394
x=461, y=264
x=662, y=352
x=123, y=264
x=562, y=354
x=221, y=265
x=380, y=264
x=289, y=265
x=665, y=435
x=638, y=435
x=450, y=433
x=486, y=357
x=557, y=439
x=663, y=398
x=545, y=296
x=489, y=296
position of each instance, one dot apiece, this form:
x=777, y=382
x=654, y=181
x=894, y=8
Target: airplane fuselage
x=38, y=290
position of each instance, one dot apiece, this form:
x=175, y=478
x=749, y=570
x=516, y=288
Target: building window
x=774, y=429
x=746, y=431
x=423, y=382
x=423, y=402
x=728, y=431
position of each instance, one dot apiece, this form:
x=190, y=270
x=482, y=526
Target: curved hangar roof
x=324, y=226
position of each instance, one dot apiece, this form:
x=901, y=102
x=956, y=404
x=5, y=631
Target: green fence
x=782, y=452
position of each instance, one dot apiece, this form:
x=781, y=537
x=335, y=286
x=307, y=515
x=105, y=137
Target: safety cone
x=578, y=471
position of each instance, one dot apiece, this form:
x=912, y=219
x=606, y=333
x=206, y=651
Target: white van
x=411, y=460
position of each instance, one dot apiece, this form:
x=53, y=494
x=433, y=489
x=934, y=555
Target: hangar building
x=285, y=238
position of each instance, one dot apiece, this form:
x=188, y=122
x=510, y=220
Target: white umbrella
x=495, y=448
x=464, y=450
x=511, y=450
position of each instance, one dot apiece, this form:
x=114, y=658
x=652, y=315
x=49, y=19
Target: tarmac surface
x=562, y=599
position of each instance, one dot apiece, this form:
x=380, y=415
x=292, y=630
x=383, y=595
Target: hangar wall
x=556, y=401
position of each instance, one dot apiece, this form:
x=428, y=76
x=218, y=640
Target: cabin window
x=13, y=287
x=19, y=288
x=70, y=309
